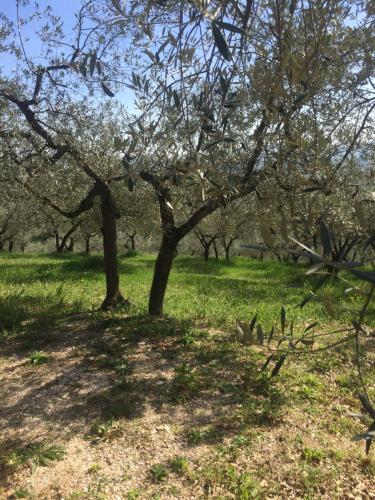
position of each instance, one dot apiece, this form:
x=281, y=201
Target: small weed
x=198, y=435
x=94, y=468
x=44, y=453
x=105, y=431
x=185, y=383
x=187, y=339
x=121, y=368
x=258, y=383
x=311, y=477
x=347, y=381
x=191, y=336
x=105, y=363
x=240, y=441
x=22, y=493
x=310, y=387
x=159, y=472
x=232, y=450
x=97, y=489
x=133, y=494
x=180, y=465
x=76, y=495
x=337, y=455
x=242, y=486
x=262, y=411
x=313, y=455
x=324, y=364
x=38, y=454
x=247, y=487
x=38, y=358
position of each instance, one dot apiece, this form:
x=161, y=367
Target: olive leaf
x=220, y=42
x=107, y=90
x=231, y=27
x=278, y=365
x=326, y=237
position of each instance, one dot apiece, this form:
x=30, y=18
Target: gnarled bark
x=131, y=237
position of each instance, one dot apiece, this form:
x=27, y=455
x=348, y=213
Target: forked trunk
x=162, y=269
x=113, y=296
x=132, y=240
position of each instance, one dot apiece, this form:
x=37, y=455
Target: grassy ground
x=218, y=292
x=120, y=406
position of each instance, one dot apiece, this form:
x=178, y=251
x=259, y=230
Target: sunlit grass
x=216, y=292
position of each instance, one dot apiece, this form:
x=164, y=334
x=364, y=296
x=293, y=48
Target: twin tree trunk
x=62, y=245
x=131, y=237
x=227, y=246
x=206, y=242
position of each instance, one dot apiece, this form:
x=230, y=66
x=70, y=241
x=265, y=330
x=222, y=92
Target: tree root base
x=111, y=303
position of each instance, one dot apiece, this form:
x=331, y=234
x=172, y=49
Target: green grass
x=159, y=472
x=38, y=358
x=44, y=287
x=211, y=365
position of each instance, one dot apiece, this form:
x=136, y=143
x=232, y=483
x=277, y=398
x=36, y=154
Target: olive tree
x=227, y=99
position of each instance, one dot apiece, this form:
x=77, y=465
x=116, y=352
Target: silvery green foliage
x=288, y=340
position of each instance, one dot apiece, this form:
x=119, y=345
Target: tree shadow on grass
x=27, y=318
x=58, y=269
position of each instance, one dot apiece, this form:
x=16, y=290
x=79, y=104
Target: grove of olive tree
x=230, y=100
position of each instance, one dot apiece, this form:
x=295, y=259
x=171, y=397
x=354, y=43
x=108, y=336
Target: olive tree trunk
x=216, y=250
x=87, y=245
x=162, y=269
x=227, y=244
x=113, y=296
